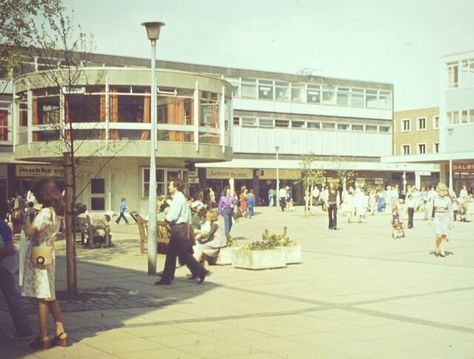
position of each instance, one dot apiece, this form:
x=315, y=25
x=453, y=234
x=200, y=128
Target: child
x=397, y=224
x=250, y=203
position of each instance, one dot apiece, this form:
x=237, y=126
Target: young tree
x=310, y=176
x=343, y=174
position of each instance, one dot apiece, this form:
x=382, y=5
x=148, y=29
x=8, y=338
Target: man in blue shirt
x=179, y=218
x=8, y=266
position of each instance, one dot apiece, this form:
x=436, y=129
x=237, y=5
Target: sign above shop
x=463, y=167
x=287, y=174
x=39, y=171
x=226, y=173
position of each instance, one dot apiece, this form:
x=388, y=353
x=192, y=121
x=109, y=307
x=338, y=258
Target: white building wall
x=297, y=141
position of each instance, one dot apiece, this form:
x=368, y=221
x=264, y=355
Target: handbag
x=41, y=256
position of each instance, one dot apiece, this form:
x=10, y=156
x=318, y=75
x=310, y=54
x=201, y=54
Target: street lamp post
x=277, y=148
x=153, y=32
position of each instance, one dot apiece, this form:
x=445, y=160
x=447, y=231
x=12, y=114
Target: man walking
x=178, y=217
x=122, y=209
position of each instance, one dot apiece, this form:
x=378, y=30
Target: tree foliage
x=310, y=177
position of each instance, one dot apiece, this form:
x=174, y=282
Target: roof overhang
x=431, y=158
x=325, y=165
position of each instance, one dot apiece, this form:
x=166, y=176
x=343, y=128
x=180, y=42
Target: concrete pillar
x=442, y=173
x=417, y=180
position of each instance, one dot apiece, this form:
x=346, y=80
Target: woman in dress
x=442, y=217
x=39, y=280
x=210, y=238
x=226, y=209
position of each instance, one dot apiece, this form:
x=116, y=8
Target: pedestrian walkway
x=358, y=294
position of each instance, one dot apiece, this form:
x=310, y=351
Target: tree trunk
x=71, y=270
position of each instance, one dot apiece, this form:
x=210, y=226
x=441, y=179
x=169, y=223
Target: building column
x=255, y=186
x=442, y=173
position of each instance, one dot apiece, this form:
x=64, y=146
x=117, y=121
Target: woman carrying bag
x=39, y=276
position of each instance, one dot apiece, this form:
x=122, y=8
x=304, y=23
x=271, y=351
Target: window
x=313, y=94
x=265, y=122
x=357, y=98
x=343, y=96
x=329, y=125
x=471, y=116
x=297, y=124
x=455, y=117
x=236, y=121
x=297, y=92
x=281, y=123
x=282, y=91
x=160, y=182
x=452, y=75
x=406, y=125
x=464, y=116
x=371, y=98
x=97, y=194
x=436, y=147
x=357, y=127
x=422, y=123
x=265, y=90
x=421, y=148
x=249, y=122
x=385, y=129
x=329, y=95
x=435, y=122
x=405, y=149
x=313, y=125
x=385, y=99
x=371, y=128
x=343, y=127
x=249, y=88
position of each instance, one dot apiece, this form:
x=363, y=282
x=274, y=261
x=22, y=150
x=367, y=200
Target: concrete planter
x=255, y=259
x=226, y=255
x=292, y=254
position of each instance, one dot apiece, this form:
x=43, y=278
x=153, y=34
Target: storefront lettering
x=224, y=173
x=464, y=167
x=38, y=171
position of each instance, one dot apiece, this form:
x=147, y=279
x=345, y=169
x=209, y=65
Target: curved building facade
x=109, y=110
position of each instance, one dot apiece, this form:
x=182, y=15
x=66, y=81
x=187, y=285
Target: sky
x=393, y=41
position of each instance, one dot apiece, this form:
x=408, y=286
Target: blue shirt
x=122, y=207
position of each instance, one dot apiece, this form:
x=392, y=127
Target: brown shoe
x=61, y=340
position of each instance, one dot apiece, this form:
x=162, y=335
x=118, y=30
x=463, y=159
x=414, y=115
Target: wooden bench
x=162, y=233
x=94, y=230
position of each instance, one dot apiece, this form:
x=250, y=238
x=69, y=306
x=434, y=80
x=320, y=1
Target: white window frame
x=435, y=150
x=435, y=122
x=402, y=122
x=418, y=119
x=418, y=148
x=402, y=149
x=344, y=129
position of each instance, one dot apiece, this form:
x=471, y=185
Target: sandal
x=40, y=344
x=57, y=341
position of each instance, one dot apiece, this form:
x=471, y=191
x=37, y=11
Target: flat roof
x=435, y=158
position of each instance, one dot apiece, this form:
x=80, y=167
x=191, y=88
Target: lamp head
x=153, y=29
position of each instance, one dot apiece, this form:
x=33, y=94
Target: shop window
x=97, y=194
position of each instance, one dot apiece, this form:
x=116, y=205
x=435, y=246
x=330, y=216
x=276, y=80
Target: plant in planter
x=291, y=249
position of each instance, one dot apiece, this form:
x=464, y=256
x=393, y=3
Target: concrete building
x=456, y=124
x=231, y=122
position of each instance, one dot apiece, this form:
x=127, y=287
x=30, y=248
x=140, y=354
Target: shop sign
x=226, y=173
x=464, y=167
x=39, y=171
x=378, y=180
x=286, y=174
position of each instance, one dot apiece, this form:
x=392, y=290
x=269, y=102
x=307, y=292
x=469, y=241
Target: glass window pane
x=371, y=128
x=265, y=122
x=249, y=89
x=98, y=185
x=97, y=203
x=297, y=124
x=357, y=98
x=471, y=116
x=297, y=92
x=329, y=95
x=343, y=126
x=385, y=129
x=281, y=123
x=313, y=125
x=329, y=126
x=282, y=91
x=371, y=98
x=265, y=90
x=249, y=122
x=357, y=127
x=313, y=94
x=464, y=117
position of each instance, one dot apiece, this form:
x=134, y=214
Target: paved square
x=358, y=294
